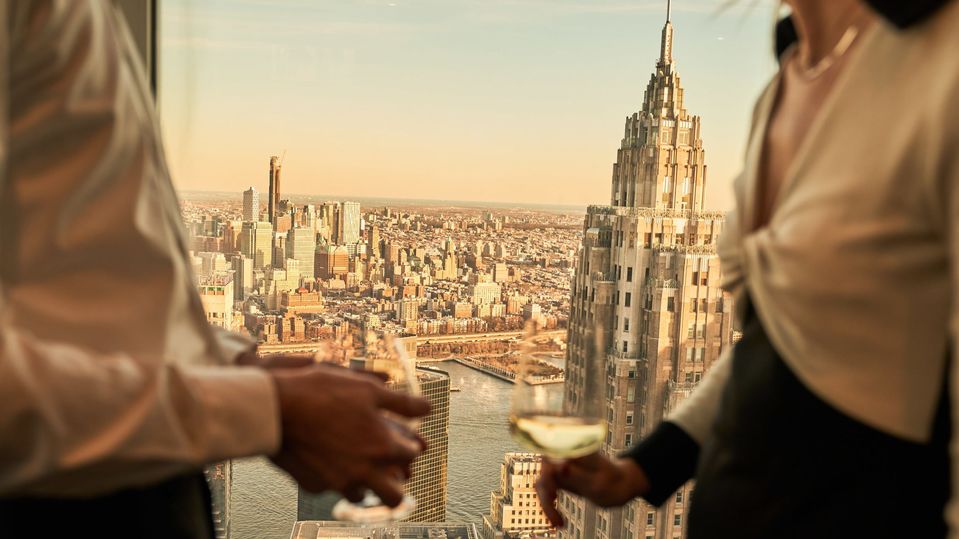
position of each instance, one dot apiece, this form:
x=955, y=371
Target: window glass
x=432, y=163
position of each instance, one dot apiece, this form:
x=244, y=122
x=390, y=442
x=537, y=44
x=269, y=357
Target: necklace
x=837, y=52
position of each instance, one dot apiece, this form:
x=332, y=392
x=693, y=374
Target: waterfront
x=264, y=501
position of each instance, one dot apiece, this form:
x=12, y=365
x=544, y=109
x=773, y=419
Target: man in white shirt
x=114, y=390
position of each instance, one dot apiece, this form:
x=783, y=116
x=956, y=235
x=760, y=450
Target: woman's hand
x=605, y=482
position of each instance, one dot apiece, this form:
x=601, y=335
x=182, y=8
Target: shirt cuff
x=242, y=412
x=668, y=456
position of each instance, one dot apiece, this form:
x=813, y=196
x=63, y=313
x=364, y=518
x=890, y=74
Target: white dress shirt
x=110, y=375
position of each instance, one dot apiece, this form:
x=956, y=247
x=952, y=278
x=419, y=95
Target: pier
x=505, y=375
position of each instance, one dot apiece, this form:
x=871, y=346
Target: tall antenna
x=669, y=9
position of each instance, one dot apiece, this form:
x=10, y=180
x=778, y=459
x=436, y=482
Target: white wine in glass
x=386, y=356
x=556, y=413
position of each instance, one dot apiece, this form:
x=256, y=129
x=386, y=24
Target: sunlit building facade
x=648, y=270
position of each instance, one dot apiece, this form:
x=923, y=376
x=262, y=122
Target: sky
x=483, y=100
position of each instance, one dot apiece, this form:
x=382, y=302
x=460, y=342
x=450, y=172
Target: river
x=264, y=500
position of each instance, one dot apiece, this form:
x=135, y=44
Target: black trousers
x=782, y=463
x=178, y=508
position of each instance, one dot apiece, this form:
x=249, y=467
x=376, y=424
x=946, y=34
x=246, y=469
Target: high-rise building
x=256, y=242
x=273, y=202
x=218, y=477
x=348, y=224
x=648, y=265
x=242, y=276
x=486, y=293
x=251, y=204
x=332, y=262
x=301, y=246
x=216, y=295
x=515, y=510
x=500, y=272
x=428, y=480
x=374, y=248
x=407, y=310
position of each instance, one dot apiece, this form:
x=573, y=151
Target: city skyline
x=419, y=99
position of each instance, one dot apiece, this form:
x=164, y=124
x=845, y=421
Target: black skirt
x=782, y=463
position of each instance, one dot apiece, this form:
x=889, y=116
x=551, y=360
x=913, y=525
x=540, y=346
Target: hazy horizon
x=495, y=101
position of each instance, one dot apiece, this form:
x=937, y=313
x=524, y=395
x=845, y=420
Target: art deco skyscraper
x=515, y=510
x=648, y=265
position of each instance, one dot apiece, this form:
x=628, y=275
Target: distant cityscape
x=453, y=283
x=457, y=283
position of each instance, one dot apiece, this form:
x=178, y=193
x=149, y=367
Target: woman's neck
x=821, y=24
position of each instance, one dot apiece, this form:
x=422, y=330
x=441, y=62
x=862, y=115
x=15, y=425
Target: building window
x=703, y=305
x=670, y=304
x=677, y=520
x=692, y=305
x=691, y=333
x=629, y=274
x=695, y=278
x=679, y=496
x=667, y=181
x=629, y=297
x=625, y=346
x=629, y=418
x=631, y=394
x=650, y=518
x=625, y=324
x=629, y=440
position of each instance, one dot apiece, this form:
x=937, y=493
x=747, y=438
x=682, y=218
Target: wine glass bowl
x=386, y=357
x=544, y=418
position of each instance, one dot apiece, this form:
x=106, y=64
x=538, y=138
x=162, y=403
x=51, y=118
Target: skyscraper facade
x=428, y=480
x=216, y=294
x=274, y=193
x=348, y=224
x=648, y=270
x=515, y=510
x=256, y=242
x=301, y=246
x=251, y=204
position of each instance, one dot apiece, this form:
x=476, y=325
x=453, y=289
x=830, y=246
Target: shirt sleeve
x=78, y=422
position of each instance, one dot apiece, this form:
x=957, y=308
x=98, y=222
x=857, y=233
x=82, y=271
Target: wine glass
x=386, y=356
x=559, y=412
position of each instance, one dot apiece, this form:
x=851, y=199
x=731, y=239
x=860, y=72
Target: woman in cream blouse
x=831, y=417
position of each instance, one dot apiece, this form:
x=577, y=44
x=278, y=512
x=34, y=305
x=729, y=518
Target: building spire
x=666, y=49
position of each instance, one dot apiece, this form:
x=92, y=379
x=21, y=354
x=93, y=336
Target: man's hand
x=605, y=482
x=335, y=435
